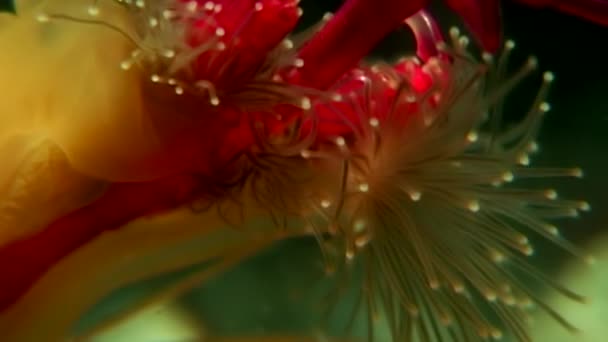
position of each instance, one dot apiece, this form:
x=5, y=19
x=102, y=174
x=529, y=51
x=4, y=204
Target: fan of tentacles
x=413, y=178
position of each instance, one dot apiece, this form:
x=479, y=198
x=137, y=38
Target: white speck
x=490, y=296
x=544, y=107
x=454, y=32
x=325, y=204
x=472, y=137
x=340, y=141
x=533, y=147
x=527, y=250
x=42, y=18
x=168, y=14
x=305, y=154
x=364, y=187
x=152, y=22
x=577, y=172
x=496, y=334
x=487, y=57
x=523, y=159
x=327, y=16
x=507, y=176
x=551, y=229
x=359, y=226
x=192, y=6
x=93, y=11
x=305, y=103
x=473, y=206
x=551, y=194
x=415, y=195
x=126, y=65
x=288, y=44
x=463, y=41
x=374, y=122
x=350, y=254
x=458, y=287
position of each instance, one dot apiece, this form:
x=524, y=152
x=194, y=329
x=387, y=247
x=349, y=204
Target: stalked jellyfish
x=156, y=108
x=427, y=194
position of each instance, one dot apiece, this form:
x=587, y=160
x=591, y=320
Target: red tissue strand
x=483, y=17
x=23, y=262
x=593, y=10
x=353, y=31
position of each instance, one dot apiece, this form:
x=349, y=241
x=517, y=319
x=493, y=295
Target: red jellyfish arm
x=592, y=10
x=352, y=32
x=23, y=262
x=484, y=20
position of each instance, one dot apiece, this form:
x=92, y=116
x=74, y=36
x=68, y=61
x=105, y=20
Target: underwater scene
x=303, y=170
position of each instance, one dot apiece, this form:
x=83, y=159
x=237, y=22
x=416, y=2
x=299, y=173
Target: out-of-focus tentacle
x=427, y=34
